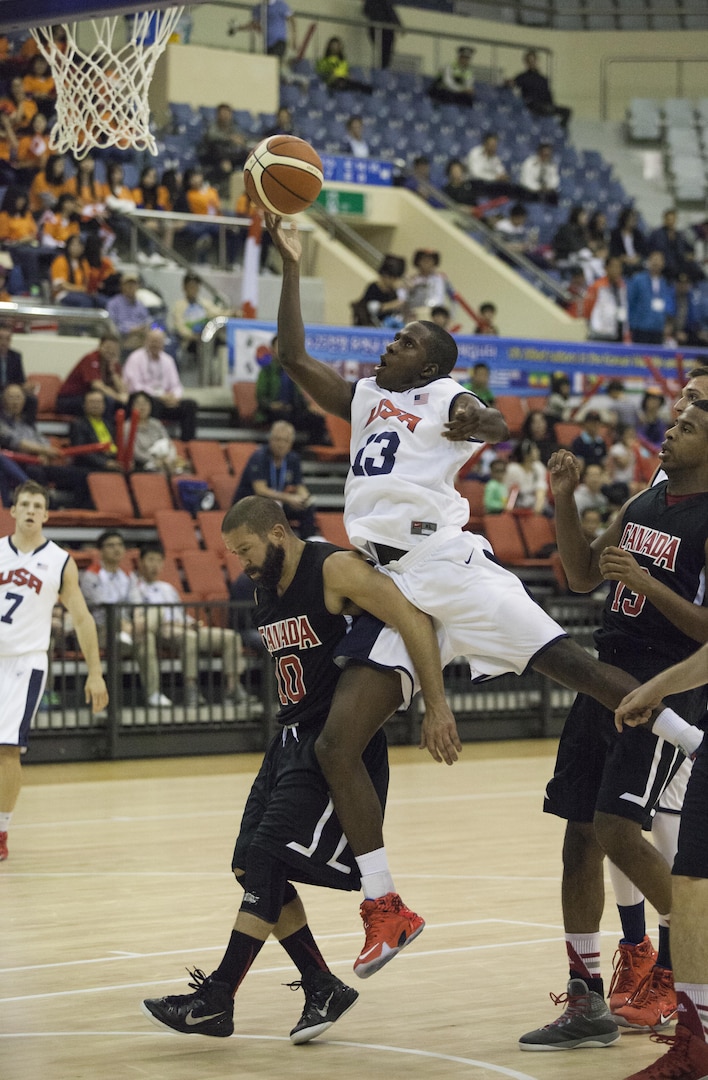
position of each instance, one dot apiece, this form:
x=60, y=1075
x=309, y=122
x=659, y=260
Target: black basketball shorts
x=692, y=857
x=289, y=812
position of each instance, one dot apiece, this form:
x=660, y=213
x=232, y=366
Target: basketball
x=283, y=174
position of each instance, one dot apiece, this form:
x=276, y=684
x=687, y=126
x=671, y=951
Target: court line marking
x=500, y=1069
x=417, y=955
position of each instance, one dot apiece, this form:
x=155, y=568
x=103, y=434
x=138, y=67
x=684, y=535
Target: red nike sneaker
x=389, y=926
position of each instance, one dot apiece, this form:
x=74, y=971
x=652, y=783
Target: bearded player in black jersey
x=607, y=784
x=306, y=597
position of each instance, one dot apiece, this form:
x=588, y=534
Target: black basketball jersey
x=668, y=541
x=302, y=635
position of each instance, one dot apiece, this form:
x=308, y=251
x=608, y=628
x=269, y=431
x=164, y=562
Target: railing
x=611, y=63
x=64, y=729
x=25, y=310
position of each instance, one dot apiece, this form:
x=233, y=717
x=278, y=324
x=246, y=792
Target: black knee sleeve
x=264, y=885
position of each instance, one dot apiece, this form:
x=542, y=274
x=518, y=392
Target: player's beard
x=272, y=568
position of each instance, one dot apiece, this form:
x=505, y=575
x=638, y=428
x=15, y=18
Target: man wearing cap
x=455, y=83
x=540, y=176
x=130, y=316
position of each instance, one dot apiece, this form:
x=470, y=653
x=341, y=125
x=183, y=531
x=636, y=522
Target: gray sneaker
x=586, y=1022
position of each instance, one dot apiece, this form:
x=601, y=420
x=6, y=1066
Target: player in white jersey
x=412, y=526
x=34, y=573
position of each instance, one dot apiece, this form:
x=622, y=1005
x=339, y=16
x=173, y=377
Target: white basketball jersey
x=400, y=488
x=29, y=587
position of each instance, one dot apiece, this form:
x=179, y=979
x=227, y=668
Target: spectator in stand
x=539, y=175
x=576, y=288
x=171, y=180
x=119, y=202
x=130, y=316
x=536, y=91
x=385, y=301
x=537, y=428
x=201, y=198
x=104, y=279
x=427, y=285
x=559, y=405
x=191, y=313
x=70, y=274
x=274, y=471
x=496, y=491
x=591, y=523
x=39, y=85
x=90, y=193
x=382, y=11
x=48, y=185
x=677, y=249
x=618, y=411
x=488, y=175
x=153, y=449
x=571, y=238
x=223, y=148
x=97, y=370
x=354, y=141
x=527, y=478
x=58, y=224
x=333, y=69
x=457, y=184
x=419, y=181
x=589, y=494
x=441, y=316
x=623, y=460
x=455, y=83
x=605, y=307
x=487, y=320
x=688, y=326
x=171, y=625
x=152, y=195
x=627, y=241
x=33, y=150
x=280, y=25
x=8, y=277
x=517, y=236
x=12, y=372
x=284, y=124
x=478, y=383
x=589, y=446
x=94, y=427
x=154, y=371
x=18, y=235
x=651, y=303
x=598, y=232
x=652, y=421
x=280, y=399
x=18, y=107
x=19, y=436
x=8, y=150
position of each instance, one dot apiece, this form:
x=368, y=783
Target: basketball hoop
x=102, y=93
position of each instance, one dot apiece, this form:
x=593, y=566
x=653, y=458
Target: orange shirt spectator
x=90, y=193
x=18, y=107
x=100, y=266
x=157, y=198
x=56, y=226
x=69, y=272
x=48, y=185
x=17, y=228
x=38, y=83
x=204, y=200
x=33, y=149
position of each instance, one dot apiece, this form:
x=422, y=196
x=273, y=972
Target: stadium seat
x=244, y=395
x=207, y=457
x=340, y=433
x=175, y=530
x=566, y=432
x=224, y=487
x=151, y=492
x=514, y=412
x=111, y=496
x=209, y=523
x=238, y=454
x=473, y=491
x=502, y=531
x=537, y=533
x=48, y=391
x=204, y=575
x=331, y=526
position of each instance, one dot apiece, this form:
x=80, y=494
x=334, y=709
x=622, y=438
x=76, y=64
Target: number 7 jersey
x=401, y=484
x=30, y=583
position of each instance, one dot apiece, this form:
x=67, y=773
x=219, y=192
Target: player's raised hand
x=96, y=693
x=288, y=243
x=564, y=472
x=438, y=735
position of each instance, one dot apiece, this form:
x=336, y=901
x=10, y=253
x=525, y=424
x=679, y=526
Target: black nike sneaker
x=326, y=999
x=208, y=1011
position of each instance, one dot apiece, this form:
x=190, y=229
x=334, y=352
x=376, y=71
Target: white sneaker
x=125, y=638
x=158, y=700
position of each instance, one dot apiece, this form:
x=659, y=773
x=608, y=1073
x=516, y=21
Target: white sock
x=584, y=954
x=698, y=993
x=626, y=892
x=669, y=725
x=5, y=820
x=376, y=877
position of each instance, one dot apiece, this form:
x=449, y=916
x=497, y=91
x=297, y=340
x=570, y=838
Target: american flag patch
x=421, y=399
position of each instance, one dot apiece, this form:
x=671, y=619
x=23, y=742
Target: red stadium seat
x=207, y=457
x=175, y=530
x=151, y=492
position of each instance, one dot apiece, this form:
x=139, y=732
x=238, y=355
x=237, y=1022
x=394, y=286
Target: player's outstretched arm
x=470, y=419
x=95, y=691
x=320, y=381
x=348, y=576
x=637, y=706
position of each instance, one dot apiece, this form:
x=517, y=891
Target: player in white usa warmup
x=34, y=572
x=413, y=427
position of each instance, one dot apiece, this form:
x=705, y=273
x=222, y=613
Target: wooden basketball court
x=118, y=879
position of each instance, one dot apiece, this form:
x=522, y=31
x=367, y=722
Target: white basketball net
x=102, y=94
